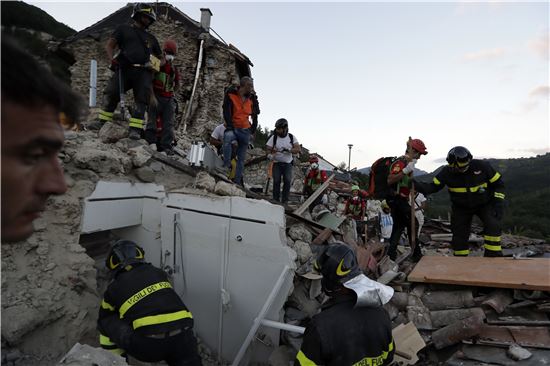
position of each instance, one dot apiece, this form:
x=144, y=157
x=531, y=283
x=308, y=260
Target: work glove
x=498, y=207
x=119, y=331
x=410, y=167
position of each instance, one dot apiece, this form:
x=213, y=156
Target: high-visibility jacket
x=166, y=80
x=476, y=187
x=237, y=112
x=314, y=179
x=344, y=335
x=144, y=298
x=355, y=207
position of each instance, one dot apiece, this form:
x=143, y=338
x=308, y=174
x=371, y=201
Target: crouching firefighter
x=475, y=188
x=141, y=315
x=352, y=328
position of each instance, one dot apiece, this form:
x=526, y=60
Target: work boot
x=417, y=255
x=134, y=134
x=95, y=125
x=492, y=253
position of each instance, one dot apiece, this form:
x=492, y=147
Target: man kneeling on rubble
x=353, y=328
x=141, y=315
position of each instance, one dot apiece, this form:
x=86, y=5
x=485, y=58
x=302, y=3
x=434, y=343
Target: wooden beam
x=529, y=274
x=176, y=164
x=300, y=210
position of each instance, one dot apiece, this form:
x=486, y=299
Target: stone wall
x=217, y=73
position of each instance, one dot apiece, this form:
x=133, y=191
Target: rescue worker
x=280, y=148
x=346, y=331
x=165, y=83
x=141, y=315
x=132, y=65
x=400, y=180
x=355, y=209
x=36, y=108
x=475, y=188
x=313, y=180
x=239, y=105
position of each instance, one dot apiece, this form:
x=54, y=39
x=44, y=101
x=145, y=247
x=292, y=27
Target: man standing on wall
x=240, y=103
x=132, y=65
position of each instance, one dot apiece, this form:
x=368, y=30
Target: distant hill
x=527, y=182
x=34, y=29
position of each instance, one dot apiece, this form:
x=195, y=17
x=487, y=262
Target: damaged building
x=256, y=290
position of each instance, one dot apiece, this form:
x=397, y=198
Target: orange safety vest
x=241, y=111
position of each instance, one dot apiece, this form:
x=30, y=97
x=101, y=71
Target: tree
x=342, y=166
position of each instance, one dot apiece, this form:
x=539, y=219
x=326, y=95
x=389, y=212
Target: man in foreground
x=36, y=107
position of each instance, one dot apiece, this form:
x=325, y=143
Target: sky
x=372, y=74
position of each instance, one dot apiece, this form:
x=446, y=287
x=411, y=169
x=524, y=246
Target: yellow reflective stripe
x=135, y=122
x=132, y=300
x=117, y=351
x=105, y=341
x=105, y=118
x=375, y=361
x=499, y=195
x=162, y=318
x=495, y=248
x=436, y=181
x=492, y=238
x=458, y=190
x=466, y=189
x=304, y=361
x=495, y=177
x=461, y=252
x=105, y=113
x=106, y=305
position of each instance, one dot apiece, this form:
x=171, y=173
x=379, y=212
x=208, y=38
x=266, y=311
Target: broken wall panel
x=530, y=274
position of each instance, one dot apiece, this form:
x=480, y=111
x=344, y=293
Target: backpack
x=378, y=178
x=275, y=138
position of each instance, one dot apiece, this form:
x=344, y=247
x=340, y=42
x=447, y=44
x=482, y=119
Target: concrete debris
x=441, y=318
x=499, y=300
x=84, y=355
x=112, y=132
x=300, y=232
x=518, y=353
x=442, y=300
x=203, y=180
x=227, y=189
x=457, y=332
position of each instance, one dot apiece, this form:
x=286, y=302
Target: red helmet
x=171, y=46
x=313, y=159
x=418, y=145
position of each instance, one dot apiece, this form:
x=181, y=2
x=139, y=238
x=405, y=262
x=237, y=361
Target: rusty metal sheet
x=537, y=337
x=531, y=273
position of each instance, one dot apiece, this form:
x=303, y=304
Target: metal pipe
x=283, y=326
x=93, y=84
x=185, y=116
x=349, y=157
x=261, y=316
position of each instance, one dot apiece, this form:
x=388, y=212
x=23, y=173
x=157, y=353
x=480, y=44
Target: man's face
x=248, y=88
x=31, y=171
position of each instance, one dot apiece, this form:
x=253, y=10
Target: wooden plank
x=537, y=337
x=312, y=198
x=531, y=274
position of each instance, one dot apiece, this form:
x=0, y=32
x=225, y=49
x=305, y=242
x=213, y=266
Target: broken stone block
x=499, y=299
x=441, y=318
x=442, y=300
x=457, y=332
x=300, y=232
x=145, y=174
x=303, y=251
x=101, y=161
x=420, y=316
x=140, y=156
x=518, y=353
x=85, y=355
x=227, y=189
x=112, y=132
x=205, y=181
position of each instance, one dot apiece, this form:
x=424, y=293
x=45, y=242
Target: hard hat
x=281, y=123
x=385, y=204
x=459, y=157
x=418, y=145
x=123, y=253
x=171, y=46
x=145, y=9
x=313, y=159
x=338, y=264
x=354, y=188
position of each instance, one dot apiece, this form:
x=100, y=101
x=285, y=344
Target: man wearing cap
x=400, y=181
